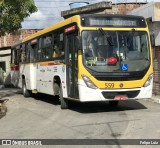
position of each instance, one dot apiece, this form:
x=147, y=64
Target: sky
x=49, y=11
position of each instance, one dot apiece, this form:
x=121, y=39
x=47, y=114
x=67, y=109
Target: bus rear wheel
x=26, y=93
x=113, y=103
x=64, y=102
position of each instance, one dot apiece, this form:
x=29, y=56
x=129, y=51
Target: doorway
x=72, y=66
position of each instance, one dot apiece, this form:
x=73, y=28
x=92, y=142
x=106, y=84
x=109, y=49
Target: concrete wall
x=154, y=28
x=6, y=59
x=120, y=8
x=151, y=12
x=124, y=8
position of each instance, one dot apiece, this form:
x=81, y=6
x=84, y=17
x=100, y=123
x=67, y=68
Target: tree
x=13, y=12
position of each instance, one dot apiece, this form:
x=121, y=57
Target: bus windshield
x=115, y=51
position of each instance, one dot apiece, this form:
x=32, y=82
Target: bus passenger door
x=72, y=65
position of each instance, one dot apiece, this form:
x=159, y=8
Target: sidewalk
x=3, y=108
x=156, y=98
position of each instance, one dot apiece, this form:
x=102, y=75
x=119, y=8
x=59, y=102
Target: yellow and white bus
x=89, y=57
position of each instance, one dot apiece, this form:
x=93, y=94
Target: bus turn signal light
x=15, y=68
x=149, y=80
x=88, y=82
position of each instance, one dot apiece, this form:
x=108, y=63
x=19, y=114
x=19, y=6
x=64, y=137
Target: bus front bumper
x=87, y=94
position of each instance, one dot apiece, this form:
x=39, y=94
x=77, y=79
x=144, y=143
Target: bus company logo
x=6, y=142
x=121, y=85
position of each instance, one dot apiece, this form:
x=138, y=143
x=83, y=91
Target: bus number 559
x=109, y=85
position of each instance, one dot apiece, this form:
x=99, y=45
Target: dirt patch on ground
x=3, y=108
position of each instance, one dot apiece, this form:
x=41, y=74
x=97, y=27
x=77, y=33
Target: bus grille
x=127, y=78
x=111, y=95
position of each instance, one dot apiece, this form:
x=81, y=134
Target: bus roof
x=76, y=18
x=65, y=22
x=16, y=43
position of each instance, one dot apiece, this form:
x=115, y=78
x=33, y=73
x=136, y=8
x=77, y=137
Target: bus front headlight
x=88, y=82
x=149, y=80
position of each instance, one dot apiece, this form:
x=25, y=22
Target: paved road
x=41, y=117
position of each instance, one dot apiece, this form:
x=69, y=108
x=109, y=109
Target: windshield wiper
x=109, y=39
x=130, y=37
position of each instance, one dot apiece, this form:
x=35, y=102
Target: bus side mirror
x=152, y=40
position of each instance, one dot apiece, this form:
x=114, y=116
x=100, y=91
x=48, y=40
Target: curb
x=156, y=98
x=1, y=86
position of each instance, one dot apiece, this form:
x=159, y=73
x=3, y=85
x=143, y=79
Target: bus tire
x=26, y=93
x=64, y=102
x=113, y=103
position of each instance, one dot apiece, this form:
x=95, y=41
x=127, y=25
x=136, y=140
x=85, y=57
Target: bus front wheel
x=113, y=103
x=64, y=102
x=26, y=93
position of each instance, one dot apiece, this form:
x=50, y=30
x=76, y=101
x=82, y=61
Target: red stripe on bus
x=52, y=64
x=15, y=68
x=48, y=64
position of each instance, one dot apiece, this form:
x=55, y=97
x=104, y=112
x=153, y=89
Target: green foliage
x=13, y=12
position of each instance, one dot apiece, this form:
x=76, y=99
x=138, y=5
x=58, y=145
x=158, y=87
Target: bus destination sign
x=104, y=22
x=113, y=22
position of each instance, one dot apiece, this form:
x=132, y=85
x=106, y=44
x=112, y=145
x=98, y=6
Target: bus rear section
x=14, y=66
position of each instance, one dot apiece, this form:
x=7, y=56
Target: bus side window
x=12, y=55
x=58, y=49
x=47, y=47
x=17, y=53
x=39, y=50
x=55, y=46
x=33, y=50
x=27, y=53
x=23, y=53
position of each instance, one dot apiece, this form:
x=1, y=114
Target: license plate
x=121, y=97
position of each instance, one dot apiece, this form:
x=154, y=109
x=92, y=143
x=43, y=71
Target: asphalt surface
x=40, y=117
